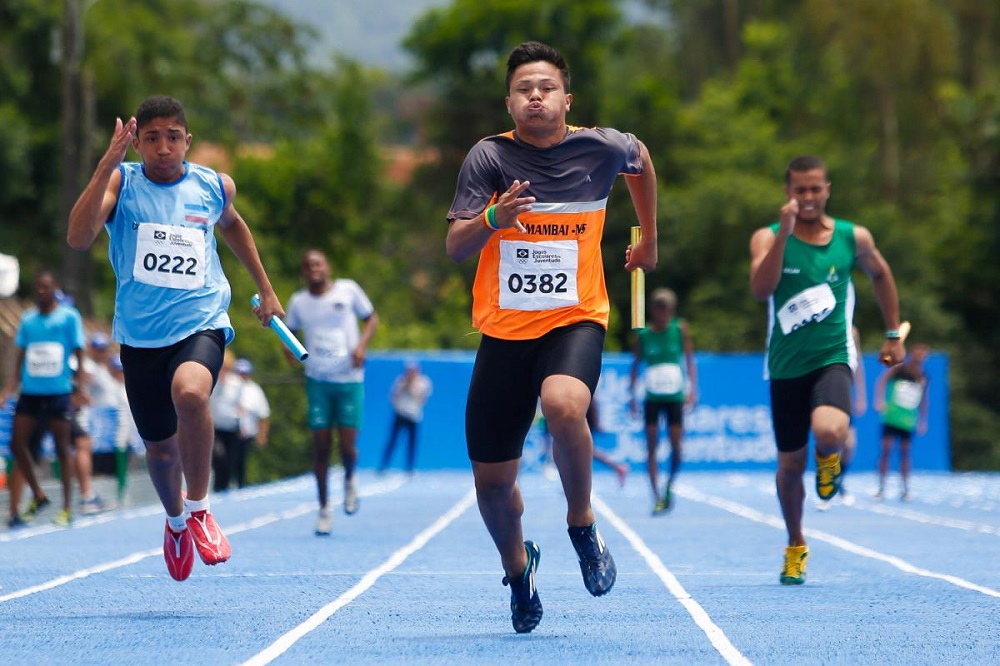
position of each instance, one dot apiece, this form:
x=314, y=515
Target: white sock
x=191, y=505
x=177, y=523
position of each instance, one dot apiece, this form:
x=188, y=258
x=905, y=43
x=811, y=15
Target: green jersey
x=903, y=396
x=662, y=352
x=810, y=313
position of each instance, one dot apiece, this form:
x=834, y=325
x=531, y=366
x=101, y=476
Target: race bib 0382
x=539, y=275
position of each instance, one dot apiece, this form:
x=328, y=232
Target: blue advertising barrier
x=729, y=428
x=102, y=425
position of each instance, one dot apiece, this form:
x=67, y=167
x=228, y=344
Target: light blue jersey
x=163, y=251
x=48, y=341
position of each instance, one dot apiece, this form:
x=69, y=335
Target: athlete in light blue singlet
x=49, y=335
x=170, y=311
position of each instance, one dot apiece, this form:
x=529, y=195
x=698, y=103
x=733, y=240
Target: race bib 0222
x=170, y=256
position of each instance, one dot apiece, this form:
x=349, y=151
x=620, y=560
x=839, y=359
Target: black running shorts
x=893, y=432
x=507, y=379
x=150, y=371
x=793, y=401
x=674, y=412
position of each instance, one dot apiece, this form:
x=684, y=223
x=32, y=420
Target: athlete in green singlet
x=671, y=380
x=801, y=266
x=901, y=399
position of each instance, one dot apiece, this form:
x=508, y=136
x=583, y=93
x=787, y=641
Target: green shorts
x=334, y=405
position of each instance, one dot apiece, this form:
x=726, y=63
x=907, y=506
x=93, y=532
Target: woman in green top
x=802, y=267
x=661, y=348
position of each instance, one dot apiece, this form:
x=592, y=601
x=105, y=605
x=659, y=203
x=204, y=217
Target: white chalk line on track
x=926, y=519
x=715, y=635
x=255, y=523
x=849, y=546
x=286, y=641
x=904, y=513
x=256, y=492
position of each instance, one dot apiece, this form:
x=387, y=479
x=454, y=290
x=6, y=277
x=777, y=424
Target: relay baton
x=281, y=330
x=638, y=288
x=904, y=330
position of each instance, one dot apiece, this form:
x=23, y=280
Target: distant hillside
x=366, y=30
x=370, y=31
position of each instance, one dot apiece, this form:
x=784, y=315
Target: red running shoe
x=213, y=546
x=178, y=551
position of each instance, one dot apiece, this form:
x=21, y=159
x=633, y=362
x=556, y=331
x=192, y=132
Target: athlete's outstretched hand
x=121, y=139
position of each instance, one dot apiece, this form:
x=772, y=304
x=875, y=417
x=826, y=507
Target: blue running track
x=413, y=578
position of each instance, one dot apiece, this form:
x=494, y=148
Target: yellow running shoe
x=794, y=571
x=828, y=473
x=63, y=519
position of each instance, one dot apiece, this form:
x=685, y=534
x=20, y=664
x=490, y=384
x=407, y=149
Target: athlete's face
x=315, y=269
x=661, y=312
x=537, y=99
x=162, y=143
x=811, y=189
x=45, y=291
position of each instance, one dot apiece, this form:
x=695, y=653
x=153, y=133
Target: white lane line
x=902, y=512
x=715, y=635
x=81, y=573
x=260, y=521
x=256, y=492
x=286, y=641
x=927, y=519
x=78, y=523
x=851, y=547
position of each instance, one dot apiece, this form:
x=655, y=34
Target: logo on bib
x=159, y=235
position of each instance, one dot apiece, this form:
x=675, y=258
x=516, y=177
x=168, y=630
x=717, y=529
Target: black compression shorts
x=793, y=401
x=507, y=378
x=150, y=371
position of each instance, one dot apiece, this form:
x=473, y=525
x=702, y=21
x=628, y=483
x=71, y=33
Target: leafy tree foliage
x=900, y=97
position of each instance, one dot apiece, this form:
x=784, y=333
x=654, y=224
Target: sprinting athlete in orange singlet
x=531, y=203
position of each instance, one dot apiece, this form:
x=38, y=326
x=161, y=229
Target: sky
x=369, y=31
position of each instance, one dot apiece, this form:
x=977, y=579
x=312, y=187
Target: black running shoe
x=525, y=606
x=596, y=564
x=35, y=507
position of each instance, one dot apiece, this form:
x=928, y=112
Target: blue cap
x=100, y=341
x=243, y=367
x=62, y=298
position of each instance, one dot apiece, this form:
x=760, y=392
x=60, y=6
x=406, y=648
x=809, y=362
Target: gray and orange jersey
x=552, y=275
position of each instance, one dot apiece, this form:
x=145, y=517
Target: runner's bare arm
x=236, y=233
x=642, y=188
x=874, y=264
x=98, y=199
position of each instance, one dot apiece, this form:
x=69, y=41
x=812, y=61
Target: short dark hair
x=537, y=52
x=159, y=106
x=804, y=163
